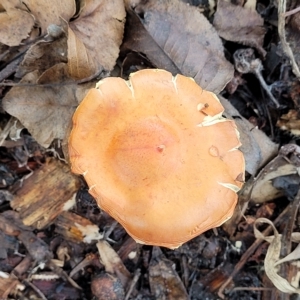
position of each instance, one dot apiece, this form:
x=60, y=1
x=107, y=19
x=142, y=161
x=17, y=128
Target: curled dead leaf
x=43, y=55
x=164, y=280
x=266, y=184
x=272, y=259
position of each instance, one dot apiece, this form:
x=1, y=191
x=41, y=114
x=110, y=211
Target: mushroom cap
x=158, y=156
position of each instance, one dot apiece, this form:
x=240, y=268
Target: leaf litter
x=16, y=23
x=272, y=260
x=181, y=41
x=64, y=48
x=240, y=24
x=71, y=55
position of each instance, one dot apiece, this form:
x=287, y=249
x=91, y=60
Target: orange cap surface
x=158, y=156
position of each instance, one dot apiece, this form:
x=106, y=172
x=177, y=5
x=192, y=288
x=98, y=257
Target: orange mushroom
x=158, y=156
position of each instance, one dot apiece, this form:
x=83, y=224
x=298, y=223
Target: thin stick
x=292, y=12
x=249, y=252
x=281, y=32
x=72, y=82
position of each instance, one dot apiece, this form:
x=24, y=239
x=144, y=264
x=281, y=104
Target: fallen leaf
x=164, y=282
x=88, y=44
x=45, y=111
x=94, y=37
x=107, y=286
x=112, y=262
x=9, y=285
x=43, y=55
x=240, y=24
x=50, y=12
x=177, y=37
x=15, y=23
x=290, y=122
x=272, y=257
x=257, y=148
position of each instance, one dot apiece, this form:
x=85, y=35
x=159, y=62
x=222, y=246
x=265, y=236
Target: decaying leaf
x=177, y=37
x=88, y=44
x=50, y=12
x=112, y=262
x=263, y=188
x=95, y=37
x=257, y=148
x=45, y=111
x=43, y=55
x=240, y=24
x=15, y=23
x=165, y=283
x=82, y=48
x=272, y=257
x=9, y=285
x=107, y=286
x=290, y=122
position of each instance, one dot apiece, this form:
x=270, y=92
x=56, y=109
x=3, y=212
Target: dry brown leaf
x=290, y=122
x=239, y=24
x=88, y=44
x=95, y=37
x=43, y=55
x=9, y=285
x=272, y=257
x=164, y=282
x=15, y=23
x=263, y=189
x=50, y=12
x=257, y=148
x=45, y=111
x=112, y=262
x=80, y=63
x=178, y=38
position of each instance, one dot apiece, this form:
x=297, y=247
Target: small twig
x=73, y=82
x=185, y=268
x=10, y=68
x=249, y=252
x=292, y=12
x=267, y=89
x=281, y=32
x=84, y=263
x=252, y=289
x=135, y=279
x=286, y=245
x=38, y=291
x=110, y=230
x=270, y=123
x=245, y=62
